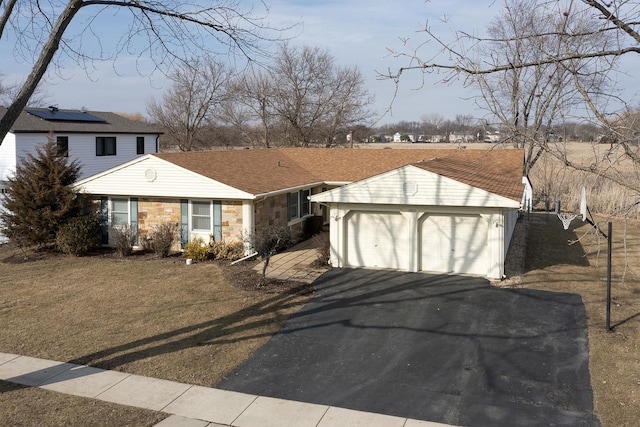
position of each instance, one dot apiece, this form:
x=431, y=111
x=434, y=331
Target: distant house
x=450, y=211
x=404, y=137
x=97, y=140
x=492, y=136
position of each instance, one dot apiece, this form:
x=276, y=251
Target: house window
x=298, y=204
x=105, y=146
x=305, y=204
x=119, y=212
x=207, y=216
x=201, y=216
x=140, y=145
x=62, y=146
x=292, y=206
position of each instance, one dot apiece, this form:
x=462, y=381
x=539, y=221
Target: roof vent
x=53, y=108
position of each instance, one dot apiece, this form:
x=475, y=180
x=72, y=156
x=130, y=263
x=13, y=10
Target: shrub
x=79, y=235
x=196, y=250
x=269, y=241
x=323, y=248
x=124, y=237
x=161, y=239
x=312, y=225
x=40, y=197
x=226, y=250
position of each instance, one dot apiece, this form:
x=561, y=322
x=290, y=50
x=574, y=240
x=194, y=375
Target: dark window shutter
x=104, y=219
x=184, y=222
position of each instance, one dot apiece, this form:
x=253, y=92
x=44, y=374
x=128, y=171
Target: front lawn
x=141, y=314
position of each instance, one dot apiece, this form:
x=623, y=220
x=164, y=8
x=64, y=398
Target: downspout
x=248, y=225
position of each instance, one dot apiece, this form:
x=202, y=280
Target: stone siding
x=232, y=221
x=271, y=212
x=154, y=212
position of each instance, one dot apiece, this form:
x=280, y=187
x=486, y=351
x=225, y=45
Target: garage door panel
x=377, y=239
x=454, y=244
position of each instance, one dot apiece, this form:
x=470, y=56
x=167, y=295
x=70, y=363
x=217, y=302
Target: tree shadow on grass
x=242, y=325
x=549, y=244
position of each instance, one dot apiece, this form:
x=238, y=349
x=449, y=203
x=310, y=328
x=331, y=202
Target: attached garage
x=437, y=216
x=454, y=244
x=376, y=239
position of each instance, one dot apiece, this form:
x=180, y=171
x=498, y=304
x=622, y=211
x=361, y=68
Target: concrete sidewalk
x=189, y=405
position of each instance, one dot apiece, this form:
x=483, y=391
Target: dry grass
x=143, y=315
x=552, y=179
x=553, y=264
x=27, y=406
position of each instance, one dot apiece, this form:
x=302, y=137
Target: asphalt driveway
x=448, y=349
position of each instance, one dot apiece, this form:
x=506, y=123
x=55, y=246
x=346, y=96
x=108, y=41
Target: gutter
x=286, y=190
x=263, y=196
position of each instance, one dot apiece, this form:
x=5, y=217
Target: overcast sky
x=356, y=33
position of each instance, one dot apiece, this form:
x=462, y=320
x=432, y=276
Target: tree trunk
x=48, y=51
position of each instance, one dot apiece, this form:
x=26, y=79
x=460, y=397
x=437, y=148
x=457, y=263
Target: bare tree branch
x=174, y=31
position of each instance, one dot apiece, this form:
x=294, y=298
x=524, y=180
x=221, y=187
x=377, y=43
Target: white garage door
x=454, y=244
x=377, y=239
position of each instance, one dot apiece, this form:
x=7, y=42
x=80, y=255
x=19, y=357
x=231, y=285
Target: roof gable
x=414, y=185
x=151, y=176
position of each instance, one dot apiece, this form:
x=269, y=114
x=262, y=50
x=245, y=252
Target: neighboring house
x=405, y=209
x=97, y=140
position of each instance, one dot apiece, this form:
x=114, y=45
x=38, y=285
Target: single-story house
x=446, y=210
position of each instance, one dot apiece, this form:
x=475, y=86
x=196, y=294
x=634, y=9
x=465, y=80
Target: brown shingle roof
x=260, y=171
x=496, y=173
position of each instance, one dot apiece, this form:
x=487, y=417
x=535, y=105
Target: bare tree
x=529, y=101
x=199, y=91
x=314, y=98
x=171, y=32
x=9, y=90
x=251, y=109
x=556, y=59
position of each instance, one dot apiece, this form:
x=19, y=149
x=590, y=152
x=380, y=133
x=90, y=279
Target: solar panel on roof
x=66, y=116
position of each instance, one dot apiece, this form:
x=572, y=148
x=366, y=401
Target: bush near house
x=312, y=225
x=124, y=238
x=196, y=250
x=79, y=235
x=323, y=248
x=226, y=250
x=162, y=238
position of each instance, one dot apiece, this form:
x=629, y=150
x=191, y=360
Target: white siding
x=7, y=157
x=150, y=176
x=410, y=185
x=82, y=147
